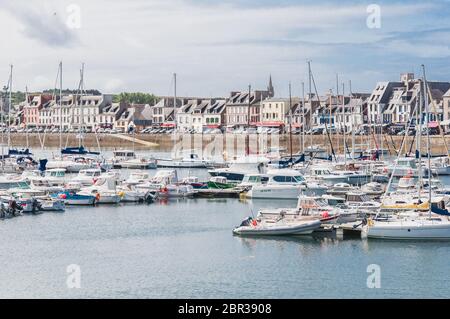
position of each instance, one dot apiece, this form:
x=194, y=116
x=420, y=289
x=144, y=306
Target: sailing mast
x=353, y=118
x=290, y=123
x=303, y=117
x=310, y=106
x=60, y=105
x=343, y=122
x=175, y=102
x=248, y=120
x=10, y=105
x=81, y=106
x=336, y=128
x=428, y=139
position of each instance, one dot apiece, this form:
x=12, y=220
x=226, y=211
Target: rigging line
x=326, y=127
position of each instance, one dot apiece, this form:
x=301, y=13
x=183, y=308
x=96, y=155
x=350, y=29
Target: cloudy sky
x=218, y=46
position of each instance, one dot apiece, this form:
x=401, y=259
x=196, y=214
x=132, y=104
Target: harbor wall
x=231, y=143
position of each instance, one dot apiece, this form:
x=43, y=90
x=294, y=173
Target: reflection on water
x=184, y=248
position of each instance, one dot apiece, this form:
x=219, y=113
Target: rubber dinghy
x=253, y=227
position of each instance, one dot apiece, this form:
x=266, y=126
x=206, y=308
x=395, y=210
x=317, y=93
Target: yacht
x=406, y=166
x=128, y=159
x=188, y=159
x=87, y=177
x=240, y=167
x=285, y=184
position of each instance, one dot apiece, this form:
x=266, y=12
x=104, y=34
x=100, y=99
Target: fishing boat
x=281, y=227
x=194, y=182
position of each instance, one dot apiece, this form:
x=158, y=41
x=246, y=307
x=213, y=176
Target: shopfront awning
x=270, y=124
x=168, y=125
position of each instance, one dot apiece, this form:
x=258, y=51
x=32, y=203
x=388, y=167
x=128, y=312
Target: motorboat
x=138, y=177
x=104, y=189
x=87, y=177
x=129, y=160
x=285, y=184
x=440, y=165
x=188, y=159
x=194, y=182
x=341, y=189
x=220, y=182
x=280, y=227
x=72, y=198
x=165, y=184
x=129, y=194
x=406, y=166
x=240, y=167
x=310, y=206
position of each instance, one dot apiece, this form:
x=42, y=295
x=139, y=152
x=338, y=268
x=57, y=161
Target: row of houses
x=389, y=102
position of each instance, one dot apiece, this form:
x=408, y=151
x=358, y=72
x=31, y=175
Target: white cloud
x=213, y=48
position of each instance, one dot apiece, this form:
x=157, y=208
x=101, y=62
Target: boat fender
x=325, y=214
x=254, y=223
x=97, y=197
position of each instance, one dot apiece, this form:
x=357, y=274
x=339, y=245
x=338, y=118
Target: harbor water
x=185, y=249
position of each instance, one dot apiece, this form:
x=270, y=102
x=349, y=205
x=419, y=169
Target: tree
x=136, y=98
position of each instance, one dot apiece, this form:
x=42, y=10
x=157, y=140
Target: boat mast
x=344, y=124
x=303, y=117
x=336, y=127
x=353, y=118
x=10, y=105
x=290, y=123
x=310, y=105
x=175, y=101
x=60, y=105
x=428, y=138
x=247, y=137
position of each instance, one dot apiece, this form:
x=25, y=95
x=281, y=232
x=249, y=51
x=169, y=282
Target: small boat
x=194, y=182
x=87, y=177
x=72, y=198
x=220, y=182
x=242, y=166
x=188, y=159
x=81, y=150
x=255, y=227
x=129, y=160
x=129, y=194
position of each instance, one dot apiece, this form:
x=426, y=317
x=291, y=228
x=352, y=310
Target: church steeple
x=270, y=88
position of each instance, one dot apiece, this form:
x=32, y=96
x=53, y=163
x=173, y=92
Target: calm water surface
x=185, y=249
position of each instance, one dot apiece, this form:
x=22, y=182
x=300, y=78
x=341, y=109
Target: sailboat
x=434, y=224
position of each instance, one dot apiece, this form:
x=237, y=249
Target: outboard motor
x=42, y=165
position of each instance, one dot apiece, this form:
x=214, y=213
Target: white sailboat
x=413, y=225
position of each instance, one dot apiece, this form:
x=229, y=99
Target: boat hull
x=304, y=228
x=408, y=231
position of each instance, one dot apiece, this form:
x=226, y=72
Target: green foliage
x=136, y=98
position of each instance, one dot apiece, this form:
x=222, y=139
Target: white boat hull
x=301, y=228
x=408, y=230
x=283, y=191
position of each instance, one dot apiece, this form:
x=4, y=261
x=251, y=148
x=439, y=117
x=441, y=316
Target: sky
x=216, y=47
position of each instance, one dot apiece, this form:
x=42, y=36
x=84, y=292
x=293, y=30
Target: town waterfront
x=185, y=249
